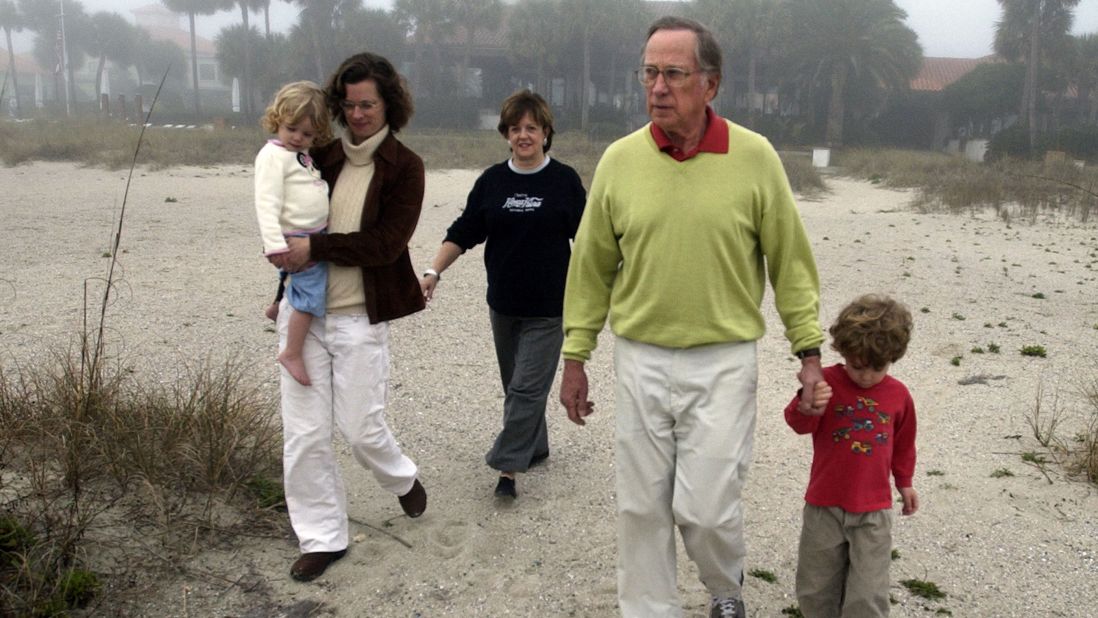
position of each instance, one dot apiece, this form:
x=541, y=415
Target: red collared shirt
x=715, y=138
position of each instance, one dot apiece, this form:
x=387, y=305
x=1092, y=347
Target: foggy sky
x=950, y=28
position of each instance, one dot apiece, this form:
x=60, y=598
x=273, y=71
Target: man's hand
x=810, y=374
x=573, y=392
x=817, y=403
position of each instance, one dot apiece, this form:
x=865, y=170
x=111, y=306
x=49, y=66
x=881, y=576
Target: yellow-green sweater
x=678, y=252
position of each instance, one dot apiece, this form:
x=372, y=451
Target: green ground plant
x=923, y=589
x=1001, y=473
x=1034, y=350
x=763, y=574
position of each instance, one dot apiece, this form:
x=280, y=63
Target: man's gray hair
x=708, y=52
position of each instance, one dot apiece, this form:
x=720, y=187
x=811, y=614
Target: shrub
x=1013, y=143
x=1078, y=142
x=1034, y=350
x=923, y=589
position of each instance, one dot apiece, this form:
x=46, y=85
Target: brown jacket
x=389, y=217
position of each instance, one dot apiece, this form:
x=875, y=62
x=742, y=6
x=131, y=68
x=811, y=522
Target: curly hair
x=526, y=102
x=295, y=102
x=390, y=85
x=874, y=329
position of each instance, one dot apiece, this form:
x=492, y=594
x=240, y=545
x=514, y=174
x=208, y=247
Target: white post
x=65, y=61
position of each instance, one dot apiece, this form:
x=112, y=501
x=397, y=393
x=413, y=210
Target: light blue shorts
x=307, y=290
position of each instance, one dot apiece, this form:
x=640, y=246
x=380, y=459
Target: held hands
x=911, y=500
x=815, y=404
x=573, y=392
x=810, y=375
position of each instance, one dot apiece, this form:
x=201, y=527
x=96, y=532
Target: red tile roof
x=937, y=73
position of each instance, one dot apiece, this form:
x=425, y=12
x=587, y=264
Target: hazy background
x=949, y=28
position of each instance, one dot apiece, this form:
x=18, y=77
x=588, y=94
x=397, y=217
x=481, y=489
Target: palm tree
x=1087, y=76
x=192, y=8
x=750, y=29
x=473, y=15
x=246, y=79
x=842, y=43
x=41, y=18
x=430, y=21
x=317, y=21
x=535, y=37
x=606, y=19
x=11, y=20
x=154, y=58
x=114, y=40
x=1027, y=27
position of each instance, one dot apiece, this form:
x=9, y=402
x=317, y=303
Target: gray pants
x=528, y=350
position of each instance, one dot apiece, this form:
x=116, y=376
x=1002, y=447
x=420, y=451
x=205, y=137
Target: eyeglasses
x=672, y=76
x=349, y=106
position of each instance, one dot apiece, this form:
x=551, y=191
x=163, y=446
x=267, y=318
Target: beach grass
x=111, y=144
x=946, y=183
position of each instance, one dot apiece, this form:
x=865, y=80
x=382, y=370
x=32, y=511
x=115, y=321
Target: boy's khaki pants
x=842, y=563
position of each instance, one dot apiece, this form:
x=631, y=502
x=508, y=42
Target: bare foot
x=296, y=366
x=271, y=311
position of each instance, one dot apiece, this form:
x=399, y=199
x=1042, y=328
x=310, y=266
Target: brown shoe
x=313, y=564
x=415, y=501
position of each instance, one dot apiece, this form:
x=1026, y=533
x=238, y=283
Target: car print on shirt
x=861, y=447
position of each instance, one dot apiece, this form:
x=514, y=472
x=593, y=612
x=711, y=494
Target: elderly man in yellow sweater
x=686, y=219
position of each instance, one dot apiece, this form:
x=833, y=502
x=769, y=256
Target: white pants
x=347, y=359
x=685, y=429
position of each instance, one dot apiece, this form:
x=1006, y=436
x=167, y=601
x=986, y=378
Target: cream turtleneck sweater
x=345, y=293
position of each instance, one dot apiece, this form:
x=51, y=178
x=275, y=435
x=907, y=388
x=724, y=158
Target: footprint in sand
x=450, y=538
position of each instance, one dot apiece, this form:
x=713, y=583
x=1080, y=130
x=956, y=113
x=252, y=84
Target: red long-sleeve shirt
x=862, y=437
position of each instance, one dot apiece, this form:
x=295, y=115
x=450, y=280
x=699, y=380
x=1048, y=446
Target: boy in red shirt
x=866, y=432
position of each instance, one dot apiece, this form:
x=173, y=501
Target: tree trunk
x=1031, y=74
x=267, y=20
x=249, y=103
x=14, y=79
x=318, y=54
x=99, y=77
x=194, y=69
x=751, y=64
x=470, y=32
x=585, y=113
x=835, y=111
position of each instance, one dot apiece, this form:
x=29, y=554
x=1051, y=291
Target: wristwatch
x=803, y=354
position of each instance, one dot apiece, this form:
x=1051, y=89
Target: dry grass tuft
x=1015, y=189
x=84, y=447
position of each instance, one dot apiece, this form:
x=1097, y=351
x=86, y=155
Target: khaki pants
x=842, y=563
x=685, y=431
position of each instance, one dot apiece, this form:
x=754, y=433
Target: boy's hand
x=815, y=405
x=911, y=500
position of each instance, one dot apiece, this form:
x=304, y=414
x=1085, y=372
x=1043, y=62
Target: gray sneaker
x=726, y=608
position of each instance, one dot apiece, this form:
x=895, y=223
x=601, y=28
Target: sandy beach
x=194, y=284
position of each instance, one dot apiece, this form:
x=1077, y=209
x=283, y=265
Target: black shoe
x=313, y=564
x=415, y=501
x=506, y=488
